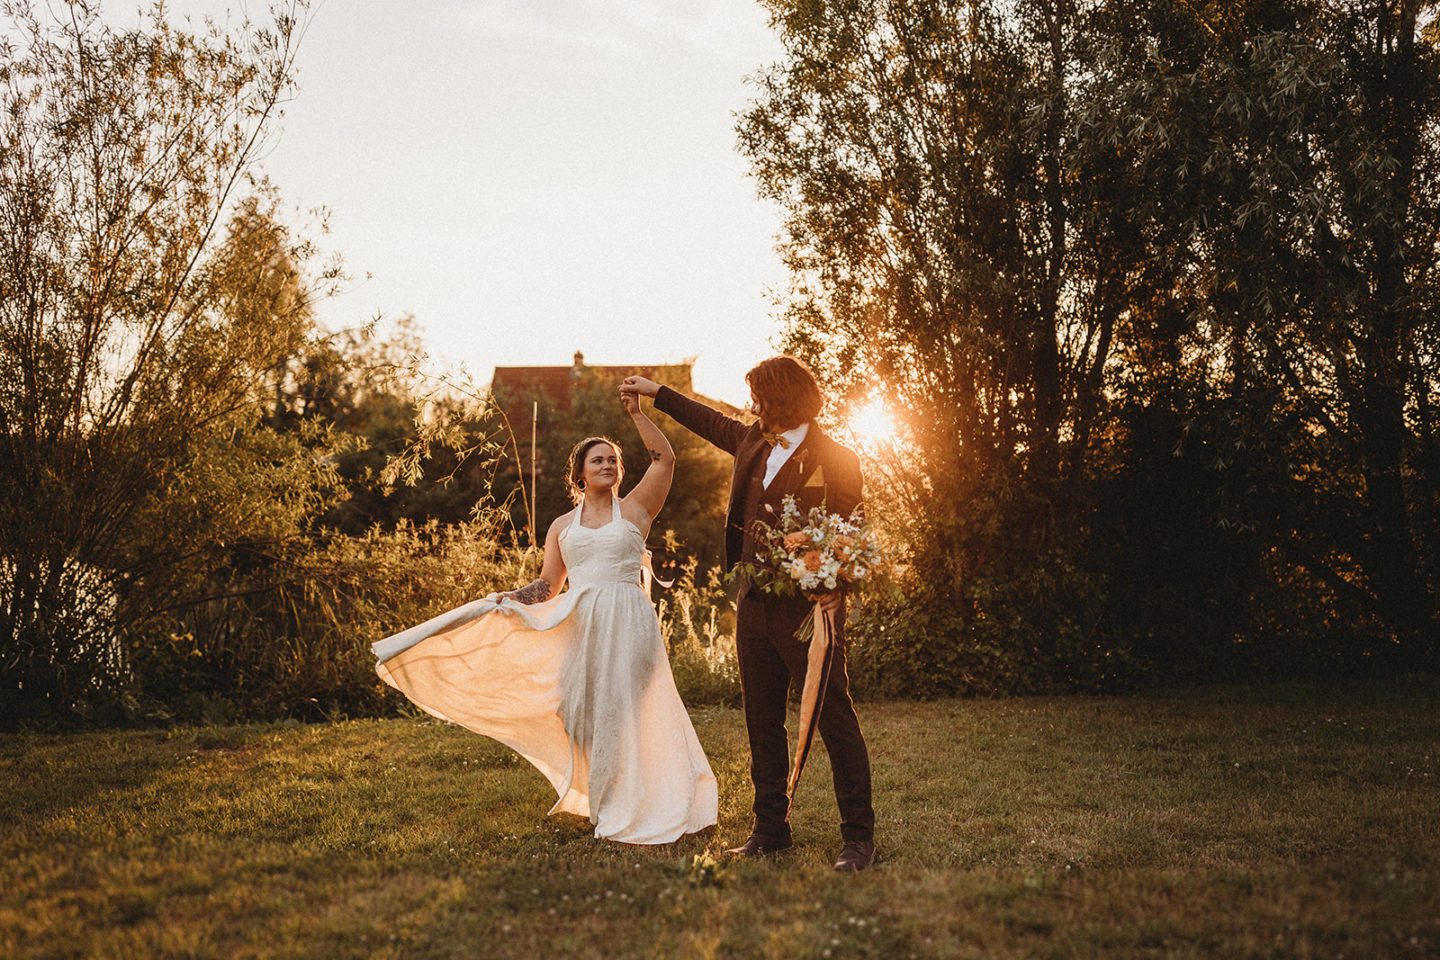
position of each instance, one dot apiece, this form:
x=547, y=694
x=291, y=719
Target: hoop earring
x=580, y=485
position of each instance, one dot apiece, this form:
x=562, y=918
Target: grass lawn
x=1295, y=821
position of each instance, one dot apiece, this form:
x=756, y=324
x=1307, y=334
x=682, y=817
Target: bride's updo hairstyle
x=787, y=391
x=573, y=482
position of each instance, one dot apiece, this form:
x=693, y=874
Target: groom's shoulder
x=831, y=447
x=839, y=460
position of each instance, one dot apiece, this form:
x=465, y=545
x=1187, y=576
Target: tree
x=1153, y=286
x=135, y=333
x=1286, y=161
x=947, y=246
x=937, y=238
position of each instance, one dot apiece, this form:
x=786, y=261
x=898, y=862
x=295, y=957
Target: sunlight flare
x=872, y=424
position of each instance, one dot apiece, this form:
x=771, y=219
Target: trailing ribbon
x=647, y=574
x=812, y=695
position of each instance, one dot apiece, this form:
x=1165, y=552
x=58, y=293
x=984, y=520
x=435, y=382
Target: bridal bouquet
x=806, y=554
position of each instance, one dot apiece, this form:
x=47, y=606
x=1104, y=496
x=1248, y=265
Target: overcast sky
x=534, y=177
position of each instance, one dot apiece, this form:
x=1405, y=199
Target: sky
x=530, y=178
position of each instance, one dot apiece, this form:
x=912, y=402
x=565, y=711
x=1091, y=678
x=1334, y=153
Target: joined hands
x=633, y=388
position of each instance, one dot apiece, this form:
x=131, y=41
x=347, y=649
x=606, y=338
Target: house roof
x=554, y=383
x=512, y=386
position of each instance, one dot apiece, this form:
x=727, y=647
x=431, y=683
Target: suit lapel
x=749, y=459
x=793, y=472
x=798, y=470
x=749, y=462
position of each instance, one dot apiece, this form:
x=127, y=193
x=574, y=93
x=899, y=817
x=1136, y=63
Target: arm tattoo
x=655, y=455
x=533, y=592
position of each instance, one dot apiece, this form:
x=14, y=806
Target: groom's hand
x=638, y=387
x=829, y=602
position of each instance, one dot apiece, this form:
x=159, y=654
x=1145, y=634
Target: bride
x=577, y=682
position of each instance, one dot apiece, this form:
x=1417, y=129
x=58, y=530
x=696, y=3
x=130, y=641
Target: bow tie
x=773, y=438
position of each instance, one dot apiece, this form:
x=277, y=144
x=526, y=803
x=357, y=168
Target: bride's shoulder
x=560, y=523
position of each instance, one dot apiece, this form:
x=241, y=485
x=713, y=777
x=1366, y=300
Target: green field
x=1294, y=821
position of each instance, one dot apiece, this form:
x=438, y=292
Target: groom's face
x=766, y=416
x=758, y=410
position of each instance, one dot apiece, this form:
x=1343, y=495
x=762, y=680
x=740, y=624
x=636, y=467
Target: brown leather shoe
x=757, y=847
x=855, y=856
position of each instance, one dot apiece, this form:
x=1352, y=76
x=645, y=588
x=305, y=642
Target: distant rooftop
x=554, y=383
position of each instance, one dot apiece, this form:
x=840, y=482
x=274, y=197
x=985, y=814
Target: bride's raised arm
x=650, y=493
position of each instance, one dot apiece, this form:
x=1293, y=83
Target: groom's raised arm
x=706, y=422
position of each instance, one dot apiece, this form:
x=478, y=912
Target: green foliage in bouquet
x=811, y=553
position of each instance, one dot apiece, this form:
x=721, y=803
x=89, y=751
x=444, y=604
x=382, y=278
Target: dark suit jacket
x=820, y=471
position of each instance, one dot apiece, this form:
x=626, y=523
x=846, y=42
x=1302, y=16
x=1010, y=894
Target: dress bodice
x=613, y=553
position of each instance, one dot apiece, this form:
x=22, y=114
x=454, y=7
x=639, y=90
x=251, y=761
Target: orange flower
x=794, y=541
x=813, y=560
x=844, y=544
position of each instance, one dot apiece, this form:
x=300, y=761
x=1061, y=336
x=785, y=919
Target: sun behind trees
x=1149, y=290
x=1154, y=290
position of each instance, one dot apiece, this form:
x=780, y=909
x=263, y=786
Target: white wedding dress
x=579, y=685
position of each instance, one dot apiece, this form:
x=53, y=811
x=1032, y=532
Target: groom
x=784, y=453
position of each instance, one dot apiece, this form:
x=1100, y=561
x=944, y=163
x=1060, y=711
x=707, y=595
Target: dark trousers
x=769, y=658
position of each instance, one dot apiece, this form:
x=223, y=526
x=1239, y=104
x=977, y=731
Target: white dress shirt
x=779, y=454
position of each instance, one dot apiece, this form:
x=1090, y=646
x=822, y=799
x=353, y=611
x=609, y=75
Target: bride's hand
x=630, y=401
x=639, y=386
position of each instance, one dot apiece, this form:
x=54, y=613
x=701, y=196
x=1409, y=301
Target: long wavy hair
x=786, y=391
x=573, y=482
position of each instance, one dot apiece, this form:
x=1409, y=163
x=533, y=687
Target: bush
x=303, y=649
x=1038, y=631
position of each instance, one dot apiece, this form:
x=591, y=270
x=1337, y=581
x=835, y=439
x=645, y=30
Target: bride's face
x=602, y=467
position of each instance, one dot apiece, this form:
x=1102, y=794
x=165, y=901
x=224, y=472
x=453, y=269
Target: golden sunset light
x=872, y=424
x=657, y=460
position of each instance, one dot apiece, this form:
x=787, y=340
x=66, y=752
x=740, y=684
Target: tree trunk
x=1394, y=561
